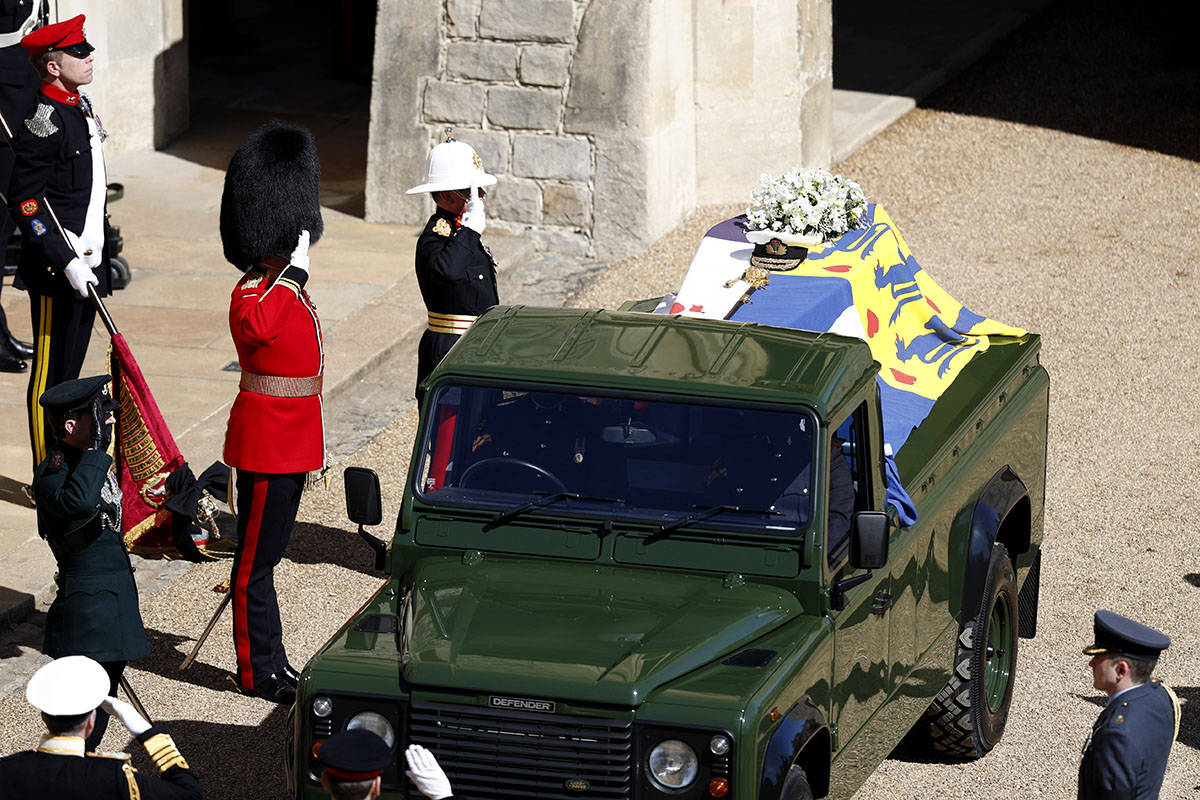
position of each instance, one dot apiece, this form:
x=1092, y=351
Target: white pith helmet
x=453, y=165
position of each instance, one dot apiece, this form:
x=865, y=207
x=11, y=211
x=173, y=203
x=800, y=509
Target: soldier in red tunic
x=275, y=436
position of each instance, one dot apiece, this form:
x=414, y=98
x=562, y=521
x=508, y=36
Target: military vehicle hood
x=514, y=628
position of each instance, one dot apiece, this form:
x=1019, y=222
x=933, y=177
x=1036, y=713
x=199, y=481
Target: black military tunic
x=1126, y=754
x=95, y=613
x=59, y=167
x=59, y=770
x=457, y=276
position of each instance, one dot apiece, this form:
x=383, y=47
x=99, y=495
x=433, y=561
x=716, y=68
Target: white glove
x=475, y=217
x=299, y=258
x=423, y=770
x=79, y=275
x=134, y=722
x=90, y=257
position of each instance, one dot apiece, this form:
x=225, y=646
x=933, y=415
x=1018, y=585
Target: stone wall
x=605, y=121
x=140, y=87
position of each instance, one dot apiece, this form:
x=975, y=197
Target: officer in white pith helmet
x=455, y=270
x=68, y=691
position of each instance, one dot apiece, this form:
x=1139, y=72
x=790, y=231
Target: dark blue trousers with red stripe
x=266, y=510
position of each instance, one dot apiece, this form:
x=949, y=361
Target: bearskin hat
x=271, y=193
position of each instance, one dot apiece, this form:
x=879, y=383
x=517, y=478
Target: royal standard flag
x=866, y=284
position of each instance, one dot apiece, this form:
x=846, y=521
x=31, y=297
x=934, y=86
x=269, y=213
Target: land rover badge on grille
x=521, y=704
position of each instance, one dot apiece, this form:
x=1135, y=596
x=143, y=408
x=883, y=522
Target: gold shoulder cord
x=135, y=792
x=1176, y=708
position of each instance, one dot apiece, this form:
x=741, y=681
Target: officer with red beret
x=58, y=195
x=270, y=213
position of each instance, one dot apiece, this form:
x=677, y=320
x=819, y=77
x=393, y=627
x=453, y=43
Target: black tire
x=795, y=786
x=119, y=272
x=962, y=722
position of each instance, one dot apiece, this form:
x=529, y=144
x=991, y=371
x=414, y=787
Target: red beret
x=67, y=36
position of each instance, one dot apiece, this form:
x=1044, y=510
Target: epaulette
x=57, y=459
x=252, y=283
x=39, y=124
x=113, y=756
x=442, y=228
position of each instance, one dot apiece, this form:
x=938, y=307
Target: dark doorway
x=306, y=62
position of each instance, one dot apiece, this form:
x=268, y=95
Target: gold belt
x=450, y=323
x=279, y=386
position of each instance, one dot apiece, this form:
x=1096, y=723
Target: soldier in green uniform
x=95, y=613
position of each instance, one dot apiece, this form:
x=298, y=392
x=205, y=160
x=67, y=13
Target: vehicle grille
x=491, y=753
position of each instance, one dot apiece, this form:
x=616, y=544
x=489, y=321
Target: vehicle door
x=861, y=674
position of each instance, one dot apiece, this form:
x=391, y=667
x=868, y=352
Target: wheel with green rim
x=967, y=717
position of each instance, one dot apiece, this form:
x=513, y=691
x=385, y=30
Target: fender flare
x=802, y=723
x=998, y=498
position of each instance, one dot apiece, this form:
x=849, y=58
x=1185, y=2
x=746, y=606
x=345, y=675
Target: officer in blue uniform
x=1126, y=754
x=95, y=612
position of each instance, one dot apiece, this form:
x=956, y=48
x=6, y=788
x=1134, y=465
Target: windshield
x=657, y=460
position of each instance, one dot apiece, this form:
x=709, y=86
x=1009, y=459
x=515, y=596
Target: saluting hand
x=299, y=258
x=475, y=217
x=426, y=773
x=134, y=722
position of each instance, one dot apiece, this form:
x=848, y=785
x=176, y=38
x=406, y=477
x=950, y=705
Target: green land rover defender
x=643, y=556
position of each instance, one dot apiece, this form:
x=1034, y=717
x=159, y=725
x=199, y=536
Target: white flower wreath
x=804, y=207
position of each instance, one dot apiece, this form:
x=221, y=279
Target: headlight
x=374, y=722
x=322, y=706
x=673, y=764
x=719, y=745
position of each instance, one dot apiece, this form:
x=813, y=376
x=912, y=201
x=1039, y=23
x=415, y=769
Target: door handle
x=882, y=603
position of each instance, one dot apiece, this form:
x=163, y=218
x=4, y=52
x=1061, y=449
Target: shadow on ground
x=321, y=544
x=234, y=762
x=10, y=492
x=1119, y=72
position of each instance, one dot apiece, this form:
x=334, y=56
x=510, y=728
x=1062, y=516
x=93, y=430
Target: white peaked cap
x=68, y=686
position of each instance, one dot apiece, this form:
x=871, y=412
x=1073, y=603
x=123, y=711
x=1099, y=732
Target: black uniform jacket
x=57, y=770
x=456, y=273
x=1126, y=755
x=53, y=170
x=18, y=79
x=95, y=613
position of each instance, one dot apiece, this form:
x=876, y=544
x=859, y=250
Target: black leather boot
x=10, y=363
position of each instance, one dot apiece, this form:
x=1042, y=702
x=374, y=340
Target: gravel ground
x=1082, y=195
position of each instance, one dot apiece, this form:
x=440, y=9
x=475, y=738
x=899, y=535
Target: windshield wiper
x=709, y=512
x=547, y=499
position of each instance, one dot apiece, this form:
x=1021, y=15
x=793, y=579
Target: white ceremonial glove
x=80, y=275
x=423, y=770
x=475, y=217
x=88, y=257
x=134, y=722
x=299, y=258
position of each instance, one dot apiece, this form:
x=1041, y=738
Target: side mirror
x=869, y=540
x=364, y=506
x=363, y=503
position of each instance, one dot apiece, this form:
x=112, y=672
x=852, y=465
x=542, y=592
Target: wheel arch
x=803, y=739
x=1003, y=513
